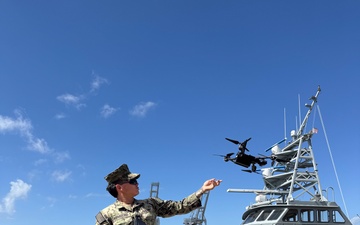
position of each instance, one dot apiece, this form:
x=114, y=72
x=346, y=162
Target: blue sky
x=88, y=85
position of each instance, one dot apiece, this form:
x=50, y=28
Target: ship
x=292, y=192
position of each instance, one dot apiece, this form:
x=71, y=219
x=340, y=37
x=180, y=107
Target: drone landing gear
x=253, y=168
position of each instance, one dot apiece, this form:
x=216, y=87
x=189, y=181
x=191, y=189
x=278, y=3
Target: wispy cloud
x=61, y=176
x=24, y=128
x=78, y=101
x=37, y=144
x=92, y=195
x=141, y=109
x=107, y=111
x=72, y=100
x=61, y=156
x=73, y=196
x=97, y=82
x=60, y=116
x=8, y=124
x=19, y=189
x=40, y=162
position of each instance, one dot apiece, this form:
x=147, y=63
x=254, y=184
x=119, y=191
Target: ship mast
x=302, y=178
x=314, y=100
x=296, y=172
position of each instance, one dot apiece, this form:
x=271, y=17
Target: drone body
x=243, y=159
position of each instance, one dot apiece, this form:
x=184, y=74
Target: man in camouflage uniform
x=123, y=185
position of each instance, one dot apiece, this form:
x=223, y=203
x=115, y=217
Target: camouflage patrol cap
x=121, y=174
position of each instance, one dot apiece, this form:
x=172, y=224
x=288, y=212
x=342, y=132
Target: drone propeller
x=250, y=171
x=233, y=141
x=226, y=157
x=277, y=143
x=241, y=145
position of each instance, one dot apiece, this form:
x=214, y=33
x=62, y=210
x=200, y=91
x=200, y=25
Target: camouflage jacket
x=146, y=210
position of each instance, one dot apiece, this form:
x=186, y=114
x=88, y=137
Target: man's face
x=130, y=188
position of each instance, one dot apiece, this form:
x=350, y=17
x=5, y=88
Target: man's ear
x=118, y=187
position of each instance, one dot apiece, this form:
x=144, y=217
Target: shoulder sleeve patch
x=100, y=218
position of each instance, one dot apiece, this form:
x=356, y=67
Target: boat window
x=251, y=217
x=337, y=217
x=264, y=215
x=323, y=216
x=291, y=216
x=307, y=215
x=275, y=215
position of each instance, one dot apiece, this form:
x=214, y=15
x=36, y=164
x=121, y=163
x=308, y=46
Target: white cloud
x=77, y=101
x=97, y=82
x=142, y=109
x=107, y=111
x=72, y=100
x=24, y=127
x=91, y=195
x=60, y=116
x=37, y=144
x=19, y=189
x=61, y=176
x=8, y=124
x=61, y=156
x=40, y=162
x=69, y=99
x=73, y=197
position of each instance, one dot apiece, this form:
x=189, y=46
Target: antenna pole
x=285, y=124
x=299, y=109
x=314, y=98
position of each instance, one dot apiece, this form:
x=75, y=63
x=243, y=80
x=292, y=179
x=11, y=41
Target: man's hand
x=210, y=184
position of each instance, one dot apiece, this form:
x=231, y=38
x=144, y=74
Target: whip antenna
x=332, y=160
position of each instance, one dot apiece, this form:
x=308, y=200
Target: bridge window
x=275, y=215
x=323, y=216
x=291, y=216
x=251, y=217
x=264, y=215
x=337, y=217
x=307, y=215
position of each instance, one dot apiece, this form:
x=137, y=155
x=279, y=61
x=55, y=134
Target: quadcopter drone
x=243, y=159
x=247, y=160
